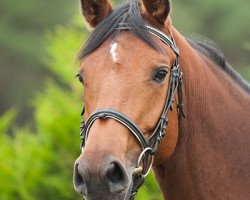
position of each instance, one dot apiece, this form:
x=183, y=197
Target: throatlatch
x=149, y=146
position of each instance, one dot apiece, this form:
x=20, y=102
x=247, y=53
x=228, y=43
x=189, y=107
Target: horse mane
x=129, y=12
x=211, y=50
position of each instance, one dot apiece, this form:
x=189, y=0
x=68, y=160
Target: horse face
x=132, y=78
x=127, y=75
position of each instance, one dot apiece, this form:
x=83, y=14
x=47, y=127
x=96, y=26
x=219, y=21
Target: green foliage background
x=23, y=27
x=36, y=163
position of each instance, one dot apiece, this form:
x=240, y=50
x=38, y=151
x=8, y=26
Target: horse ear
x=156, y=10
x=95, y=11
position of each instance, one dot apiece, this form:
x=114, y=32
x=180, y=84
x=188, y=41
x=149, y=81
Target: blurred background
x=40, y=100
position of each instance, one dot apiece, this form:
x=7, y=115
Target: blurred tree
x=22, y=45
x=225, y=22
x=38, y=166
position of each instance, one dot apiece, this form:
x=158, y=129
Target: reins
x=149, y=146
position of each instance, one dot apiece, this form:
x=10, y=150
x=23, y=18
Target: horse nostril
x=79, y=182
x=116, y=177
x=115, y=174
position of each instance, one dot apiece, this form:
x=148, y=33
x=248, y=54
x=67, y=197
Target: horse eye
x=79, y=76
x=161, y=75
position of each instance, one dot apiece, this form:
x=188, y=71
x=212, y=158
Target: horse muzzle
x=104, y=181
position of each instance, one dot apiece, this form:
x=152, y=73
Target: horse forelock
x=127, y=12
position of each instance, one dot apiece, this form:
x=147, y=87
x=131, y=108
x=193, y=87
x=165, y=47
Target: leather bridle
x=149, y=145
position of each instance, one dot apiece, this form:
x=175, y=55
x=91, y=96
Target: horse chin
x=104, y=195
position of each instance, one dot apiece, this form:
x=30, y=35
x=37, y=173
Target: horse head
x=130, y=72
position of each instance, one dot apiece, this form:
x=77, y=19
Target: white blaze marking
x=113, y=50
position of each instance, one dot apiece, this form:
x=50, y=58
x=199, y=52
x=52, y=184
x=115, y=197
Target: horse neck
x=212, y=153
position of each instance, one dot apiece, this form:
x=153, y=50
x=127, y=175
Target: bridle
x=149, y=146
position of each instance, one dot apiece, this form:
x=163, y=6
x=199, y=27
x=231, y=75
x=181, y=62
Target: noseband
x=149, y=145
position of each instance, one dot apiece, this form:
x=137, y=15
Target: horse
x=156, y=99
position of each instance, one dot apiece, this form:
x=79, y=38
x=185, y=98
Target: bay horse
x=156, y=99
